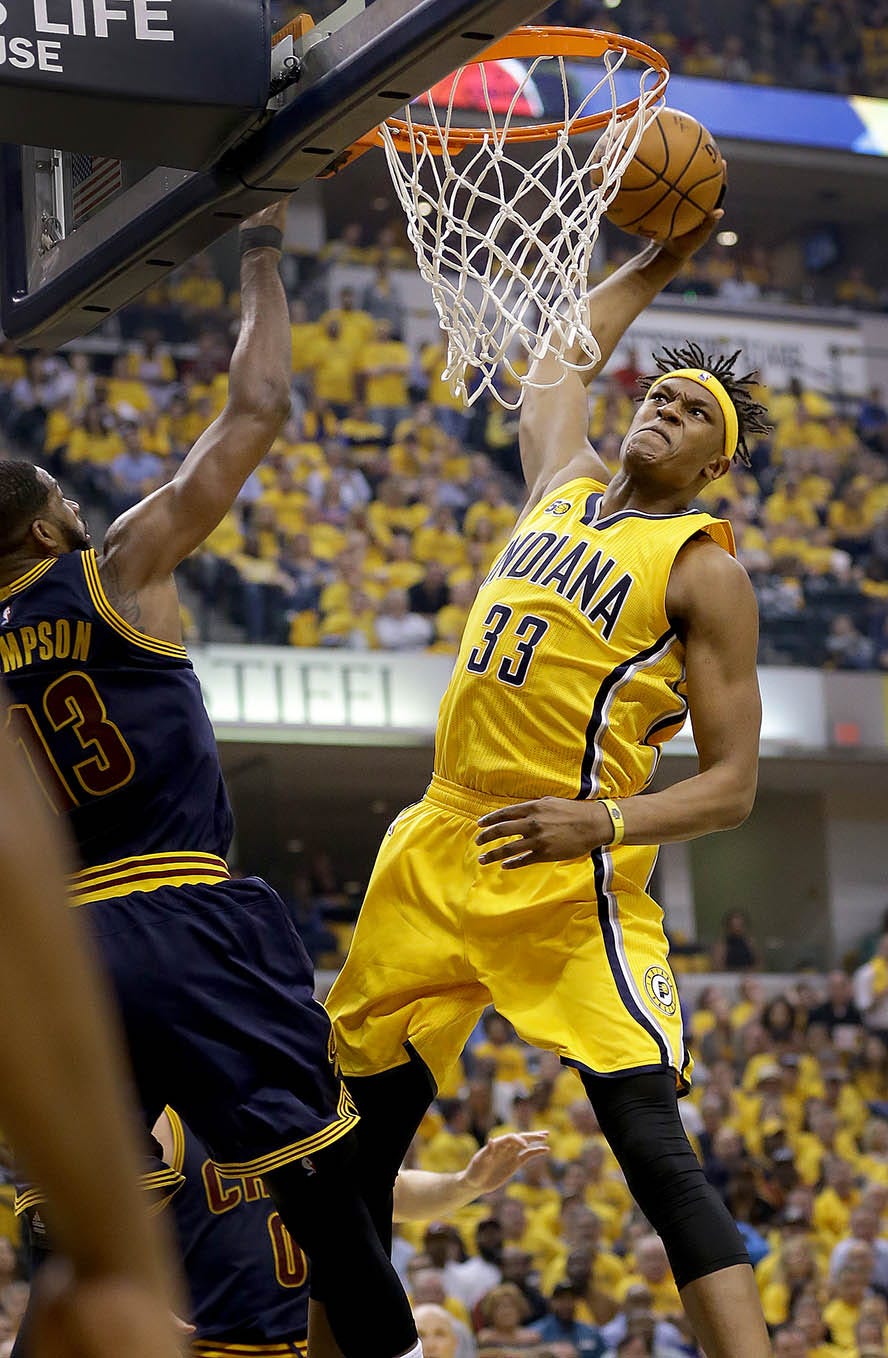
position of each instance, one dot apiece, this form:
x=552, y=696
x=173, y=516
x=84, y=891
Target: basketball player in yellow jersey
x=520, y=879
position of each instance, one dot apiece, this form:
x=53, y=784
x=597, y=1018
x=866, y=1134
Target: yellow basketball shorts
x=573, y=954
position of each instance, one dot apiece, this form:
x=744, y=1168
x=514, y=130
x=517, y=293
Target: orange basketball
x=674, y=179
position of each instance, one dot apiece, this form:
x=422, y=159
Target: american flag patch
x=94, y=179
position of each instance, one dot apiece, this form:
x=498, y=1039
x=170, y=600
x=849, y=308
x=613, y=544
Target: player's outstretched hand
x=682, y=247
x=548, y=830
x=495, y=1163
x=101, y=1318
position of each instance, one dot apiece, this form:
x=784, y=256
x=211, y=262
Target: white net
x=506, y=247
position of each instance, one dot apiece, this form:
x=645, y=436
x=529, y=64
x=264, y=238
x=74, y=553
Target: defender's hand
x=548, y=830
x=273, y=215
x=495, y=1163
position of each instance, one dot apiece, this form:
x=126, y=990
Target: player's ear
x=715, y=470
x=45, y=536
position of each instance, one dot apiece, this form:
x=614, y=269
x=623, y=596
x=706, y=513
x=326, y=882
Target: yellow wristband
x=617, y=821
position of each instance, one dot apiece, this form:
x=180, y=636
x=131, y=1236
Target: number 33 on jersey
x=572, y=614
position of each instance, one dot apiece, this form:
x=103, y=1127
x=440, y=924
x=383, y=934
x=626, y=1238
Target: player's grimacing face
x=677, y=430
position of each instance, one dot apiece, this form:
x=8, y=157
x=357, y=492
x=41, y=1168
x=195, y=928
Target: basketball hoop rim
x=525, y=44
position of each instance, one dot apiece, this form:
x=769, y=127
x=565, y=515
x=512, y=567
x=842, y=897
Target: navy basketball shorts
x=215, y=990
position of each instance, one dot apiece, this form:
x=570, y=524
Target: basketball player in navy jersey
x=246, y=1275
x=214, y=986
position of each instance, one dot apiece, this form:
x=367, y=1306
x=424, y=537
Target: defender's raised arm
x=145, y=545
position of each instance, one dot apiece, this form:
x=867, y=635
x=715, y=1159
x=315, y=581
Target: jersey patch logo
x=558, y=507
x=658, y=984
x=7, y=615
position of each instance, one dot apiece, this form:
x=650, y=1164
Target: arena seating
x=383, y=504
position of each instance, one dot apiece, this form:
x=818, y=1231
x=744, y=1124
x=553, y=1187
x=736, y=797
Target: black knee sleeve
x=391, y=1105
x=639, y=1116
x=320, y=1203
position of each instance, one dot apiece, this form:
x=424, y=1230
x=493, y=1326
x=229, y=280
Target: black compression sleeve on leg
x=320, y=1203
x=392, y=1105
x=639, y=1116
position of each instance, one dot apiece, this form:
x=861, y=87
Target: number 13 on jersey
x=517, y=650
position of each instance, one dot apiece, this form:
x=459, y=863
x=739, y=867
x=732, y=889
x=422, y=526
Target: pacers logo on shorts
x=658, y=984
x=558, y=507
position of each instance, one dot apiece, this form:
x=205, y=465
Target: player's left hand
x=495, y=1163
x=548, y=830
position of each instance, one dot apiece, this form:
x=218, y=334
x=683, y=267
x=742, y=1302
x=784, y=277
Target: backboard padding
x=350, y=82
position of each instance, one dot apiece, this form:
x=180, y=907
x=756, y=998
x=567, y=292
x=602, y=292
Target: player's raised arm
x=420, y=1195
x=145, y=545
x=553, y=431
x=60, y=1070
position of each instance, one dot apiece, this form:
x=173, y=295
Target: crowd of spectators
x=789, y=1116
x=743, y=278
x=383, y=504
x=839, y=46
x=832, y=45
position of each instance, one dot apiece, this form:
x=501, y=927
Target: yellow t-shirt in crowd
x=502, y=518
x=782, y=507
x=439, y=544
x=307, y=338
x=510, y=1060
x=334, y=373
x=842, y=1317
x=664, y=1294
x=448, y=1152
x=356, y=328
x=383, y=520
x=450, y=623
x=226, y=538
x=98, y=449
x=387, y=389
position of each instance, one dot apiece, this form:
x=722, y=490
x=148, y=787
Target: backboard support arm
x=349, y=82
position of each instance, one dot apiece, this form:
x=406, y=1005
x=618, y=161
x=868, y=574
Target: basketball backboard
x=83, y=235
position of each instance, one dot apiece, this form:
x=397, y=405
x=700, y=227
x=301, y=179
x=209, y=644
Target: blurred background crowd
x=383, y=504
x=833, y=45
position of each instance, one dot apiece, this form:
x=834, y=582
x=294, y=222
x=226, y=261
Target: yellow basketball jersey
x=570, y=676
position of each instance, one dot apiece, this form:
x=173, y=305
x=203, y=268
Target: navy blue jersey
x=247, y=1278
x=112, y=721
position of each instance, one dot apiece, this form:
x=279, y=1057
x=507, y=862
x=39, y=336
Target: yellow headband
x=728, y=409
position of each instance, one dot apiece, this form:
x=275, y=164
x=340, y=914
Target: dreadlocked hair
x=751, y=414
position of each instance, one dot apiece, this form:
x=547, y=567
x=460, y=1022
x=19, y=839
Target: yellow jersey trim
x=347, y=1118
x=178, y=1157
x=166, y=1181
x=145, y=872
x=28, y=578
x=215, y=1348
x=113, y=618
x=28, y=1198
